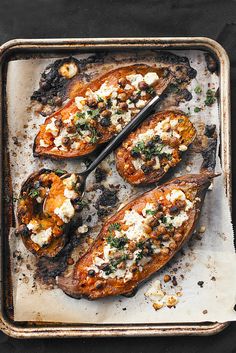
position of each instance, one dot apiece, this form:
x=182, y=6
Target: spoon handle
x=139, y=118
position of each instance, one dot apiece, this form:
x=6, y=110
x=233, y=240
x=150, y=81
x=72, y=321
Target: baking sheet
x=210, y=259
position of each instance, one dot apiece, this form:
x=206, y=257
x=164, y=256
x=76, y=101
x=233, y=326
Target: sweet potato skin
x=25, y=212
x=107, y=133
x=123, y=157
x=79, y=285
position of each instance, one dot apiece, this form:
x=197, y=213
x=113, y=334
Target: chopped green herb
x=60, y=171
x=117, y=243
x=139, y=256
x=197, y=110
x=198, y=89
x=151, y=91
x=119, y=112
x=33, y=193
x=114, y=226
x=81, y=203
x=100, y=99
x=180, y=120
x=93, y=113
x=151, y=212
x=210, y=98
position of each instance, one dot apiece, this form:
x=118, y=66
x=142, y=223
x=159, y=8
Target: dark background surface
x=106, y=18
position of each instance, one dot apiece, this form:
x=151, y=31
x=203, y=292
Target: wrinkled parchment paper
x=205, y=270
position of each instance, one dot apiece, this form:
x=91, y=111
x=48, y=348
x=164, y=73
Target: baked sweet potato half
x=149, y=152
x=99, y=111
x=139, y=239
x=49, y=201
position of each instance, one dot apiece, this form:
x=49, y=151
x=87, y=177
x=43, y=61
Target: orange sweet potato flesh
x=106, y=133
x=124, y=159
x=29, y=210
x=79, y=284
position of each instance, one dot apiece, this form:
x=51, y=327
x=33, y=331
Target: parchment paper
x=209, y=259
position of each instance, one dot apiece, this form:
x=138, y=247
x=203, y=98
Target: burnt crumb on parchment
x=211, y=62
x=106, y=201
x=200, y=284
x=100, y=175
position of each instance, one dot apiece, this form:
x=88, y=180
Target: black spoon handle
x=138, y=119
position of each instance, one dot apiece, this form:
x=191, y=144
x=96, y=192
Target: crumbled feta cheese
x=183, y=148
x=52, y=127
x=173, y=123
x=106, y=90
x=41, y=238
x=42, y=143
x=128, y=87
x=140, y=103
x=80, y=101
x=70, y=194
x=33, y=225
x=175, y=194
x=145, y=136
x=66, y=211
x=70, y=181
x=137, y=163
x=150, y=78
x=135, y=79
x=75, y=145
x=178, y=220
x=155, y=292
x=83, y=229
x=157, y=164
x=58, y=141
x=135, y=222
x=148, y=206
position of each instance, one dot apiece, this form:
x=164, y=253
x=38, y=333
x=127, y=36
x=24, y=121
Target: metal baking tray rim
x=16, y=330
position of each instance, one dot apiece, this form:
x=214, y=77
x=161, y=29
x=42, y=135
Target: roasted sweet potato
x=100, y=110
x=48, y=202
x=139, y=239
x=149, y=152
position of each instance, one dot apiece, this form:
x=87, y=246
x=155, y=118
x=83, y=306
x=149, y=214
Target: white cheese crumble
x=83, y=229
x=42, y=143
x=178, y=220
x=140, y=103
x=33, y=225
x=66, y=211
x=136, y=228
x=175, y=194
x=70, y=181
x=151, y=78
x=183, y=148
x=41, y=238
x=137, y=163
x=52, y=127
x=80, y=101
x=105, y=90
x=70, y=194
x=135, y=79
